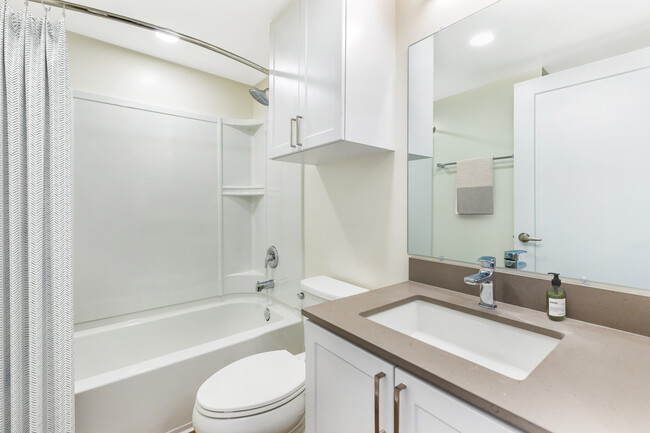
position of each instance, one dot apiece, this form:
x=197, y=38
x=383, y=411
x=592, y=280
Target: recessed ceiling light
x=482, y=39
x=167, y=37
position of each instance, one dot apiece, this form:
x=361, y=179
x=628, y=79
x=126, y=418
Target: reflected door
x=582, y=171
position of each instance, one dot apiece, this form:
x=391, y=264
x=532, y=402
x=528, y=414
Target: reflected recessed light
x=482, y=39
x=167, y=37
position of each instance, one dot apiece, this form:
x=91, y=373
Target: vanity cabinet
x=341, y=395
x=331, y=83
x=346, y=387
x=424, y=408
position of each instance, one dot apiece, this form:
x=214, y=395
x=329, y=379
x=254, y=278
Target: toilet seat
x=252, y=385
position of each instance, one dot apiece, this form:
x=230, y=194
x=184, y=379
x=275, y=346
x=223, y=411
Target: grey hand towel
x=474, y=186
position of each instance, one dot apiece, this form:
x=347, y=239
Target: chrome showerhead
x=259, y=95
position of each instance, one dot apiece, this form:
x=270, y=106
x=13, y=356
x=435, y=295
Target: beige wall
x=108, y=70
x=355, y=211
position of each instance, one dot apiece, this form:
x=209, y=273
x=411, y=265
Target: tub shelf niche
x=243, y=203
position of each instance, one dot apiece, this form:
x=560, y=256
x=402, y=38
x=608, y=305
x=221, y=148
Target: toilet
x=264, y=392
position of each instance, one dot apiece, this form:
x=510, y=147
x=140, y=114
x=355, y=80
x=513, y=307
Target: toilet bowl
x=264, y=392
x=260, y=393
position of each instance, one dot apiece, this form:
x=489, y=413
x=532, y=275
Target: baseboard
x=185, y=428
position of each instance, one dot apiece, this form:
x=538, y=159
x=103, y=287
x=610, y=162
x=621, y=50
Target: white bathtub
x=141, y=374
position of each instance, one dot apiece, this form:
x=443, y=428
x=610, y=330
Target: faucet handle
x=487, y=261
x=511, y=259
x=513, y=254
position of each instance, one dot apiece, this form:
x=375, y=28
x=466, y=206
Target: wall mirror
x=555, y=93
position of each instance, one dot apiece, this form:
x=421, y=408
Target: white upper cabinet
x=332, y=80
x=284, y=82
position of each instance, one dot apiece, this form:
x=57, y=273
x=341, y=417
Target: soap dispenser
x=556, y=299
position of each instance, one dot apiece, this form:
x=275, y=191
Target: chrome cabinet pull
x=293, y=119
x=525, y=237
x=378, y=376
x=398, y=388
x=298, y=119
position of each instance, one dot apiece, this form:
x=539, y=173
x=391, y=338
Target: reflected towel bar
x=441, y=165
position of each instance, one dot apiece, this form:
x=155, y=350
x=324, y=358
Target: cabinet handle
x=398, y=388
x=378, y=376
x=293, y=119
x=298, y=119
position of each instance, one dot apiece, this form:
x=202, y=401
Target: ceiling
x=239, y=26
x=534, y=34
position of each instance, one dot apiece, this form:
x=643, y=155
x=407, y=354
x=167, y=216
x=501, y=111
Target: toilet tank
x=322, y=289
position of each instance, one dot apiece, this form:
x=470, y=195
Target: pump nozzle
x=556, y=279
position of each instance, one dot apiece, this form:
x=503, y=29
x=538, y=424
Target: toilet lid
x=252, y=382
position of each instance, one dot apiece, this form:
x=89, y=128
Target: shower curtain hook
x=63, y=13
x=45, y=8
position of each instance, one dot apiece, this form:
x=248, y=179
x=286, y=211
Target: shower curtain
x=36, y=316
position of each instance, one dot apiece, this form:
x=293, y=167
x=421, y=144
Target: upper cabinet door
x=284, y=80
x=323, y=70
x=346, y=60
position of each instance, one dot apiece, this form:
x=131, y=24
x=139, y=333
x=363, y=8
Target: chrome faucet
x=483, y=279
x=263, y=285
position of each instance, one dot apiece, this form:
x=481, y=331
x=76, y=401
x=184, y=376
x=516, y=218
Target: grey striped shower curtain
x=36, y=314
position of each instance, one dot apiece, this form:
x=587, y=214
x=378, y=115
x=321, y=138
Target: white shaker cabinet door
x=423, y=408
x=322, y=69
x=284, y=79
x=340, y=386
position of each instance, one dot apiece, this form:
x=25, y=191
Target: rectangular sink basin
x=506, y=349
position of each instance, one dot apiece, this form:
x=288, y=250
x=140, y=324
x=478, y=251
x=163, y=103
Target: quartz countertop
x=597, y=379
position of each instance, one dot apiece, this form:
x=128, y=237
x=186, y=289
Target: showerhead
x=259, y=95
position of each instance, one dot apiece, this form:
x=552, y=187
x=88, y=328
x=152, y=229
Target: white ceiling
x=534, y=34
x=239, y=26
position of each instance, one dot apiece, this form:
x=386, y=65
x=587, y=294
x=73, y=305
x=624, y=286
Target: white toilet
x=263, y=392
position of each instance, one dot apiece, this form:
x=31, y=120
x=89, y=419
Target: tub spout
x=263, y=285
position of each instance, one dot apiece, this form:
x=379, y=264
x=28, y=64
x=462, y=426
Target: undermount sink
x=507, y=349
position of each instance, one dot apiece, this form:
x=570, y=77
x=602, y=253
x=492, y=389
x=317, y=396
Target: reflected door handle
x=378, y=376
x=525, y=237
x=398, y=388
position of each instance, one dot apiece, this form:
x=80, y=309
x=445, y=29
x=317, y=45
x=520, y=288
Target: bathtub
x=140, y=374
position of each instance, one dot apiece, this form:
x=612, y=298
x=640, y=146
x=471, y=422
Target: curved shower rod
x=145, y=25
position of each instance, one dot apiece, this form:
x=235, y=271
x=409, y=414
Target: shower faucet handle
x=272, y=257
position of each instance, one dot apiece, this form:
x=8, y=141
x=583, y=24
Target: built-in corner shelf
x=243, y=203
x=248, y=126
x=248, y=273
x=244, y=191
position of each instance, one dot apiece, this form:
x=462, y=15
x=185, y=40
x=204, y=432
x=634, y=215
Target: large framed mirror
x=529, y=130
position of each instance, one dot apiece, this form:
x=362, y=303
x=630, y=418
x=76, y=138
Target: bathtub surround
x=36, y=330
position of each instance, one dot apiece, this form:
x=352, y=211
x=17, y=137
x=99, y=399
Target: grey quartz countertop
x=596, y=380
